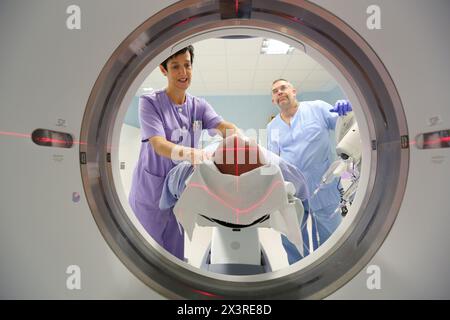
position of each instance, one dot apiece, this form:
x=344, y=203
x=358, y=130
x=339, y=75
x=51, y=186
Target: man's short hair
x=280, y=79
x=188, y=48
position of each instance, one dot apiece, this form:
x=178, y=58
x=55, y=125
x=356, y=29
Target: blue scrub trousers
x=327, y=221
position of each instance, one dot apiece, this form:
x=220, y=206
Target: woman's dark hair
x=188, y=48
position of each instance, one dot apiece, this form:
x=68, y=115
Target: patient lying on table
x=244, y=161
x=240, y=185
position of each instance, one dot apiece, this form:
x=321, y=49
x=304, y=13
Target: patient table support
x=238, y=251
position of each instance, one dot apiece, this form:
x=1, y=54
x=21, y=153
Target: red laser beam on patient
x=236, y=169
x=237, y=210
x=237, y=148
x=235, y=153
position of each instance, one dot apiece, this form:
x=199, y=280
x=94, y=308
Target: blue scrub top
x=307, y=145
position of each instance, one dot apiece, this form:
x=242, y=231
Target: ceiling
x=236, y=67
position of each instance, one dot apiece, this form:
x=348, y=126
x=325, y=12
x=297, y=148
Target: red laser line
x=436, y=141
x=236, y=170
x=254, y=206
x=208, y=294
x=15, y=134
x=294, y=19
x=46, y=139
x=42, y=139
x=236, y=157
x=80, y=142
x=237, y=148
x=184, y=21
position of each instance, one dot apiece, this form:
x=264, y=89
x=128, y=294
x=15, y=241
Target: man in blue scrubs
x=299, y=134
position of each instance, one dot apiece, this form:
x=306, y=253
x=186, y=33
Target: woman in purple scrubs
x=171, y=122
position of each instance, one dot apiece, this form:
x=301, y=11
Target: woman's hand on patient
x=192, y=155
x=197, y=156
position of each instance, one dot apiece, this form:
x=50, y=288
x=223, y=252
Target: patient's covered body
x=241, y=185
x=233, y=156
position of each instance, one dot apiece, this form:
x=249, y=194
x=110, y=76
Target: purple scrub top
x=180, y=124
